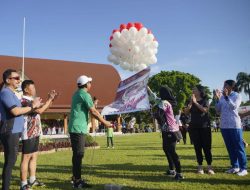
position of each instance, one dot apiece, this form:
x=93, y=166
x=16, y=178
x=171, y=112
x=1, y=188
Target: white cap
x=82, y=80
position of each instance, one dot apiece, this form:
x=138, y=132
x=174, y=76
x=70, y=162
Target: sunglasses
x=16, y=78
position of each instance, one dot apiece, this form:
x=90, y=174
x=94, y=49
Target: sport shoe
x=25, y=187
x=210, y=170
x=200, y=170
x=81, y=184
x=242, y=172
x=72, y=180
x=37, y=183
x=233, y=170
x=178, y=176
x=170, y=172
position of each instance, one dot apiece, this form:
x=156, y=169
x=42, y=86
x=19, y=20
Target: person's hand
x=37, y=102
x=194, y=100
x=217, y=94
x=225, y=92
x=52, y=95
x=108, y=124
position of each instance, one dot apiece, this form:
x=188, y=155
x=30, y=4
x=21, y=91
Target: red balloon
x=129, y=25
x=138, y=25
x=115, y=30
x=123, y=26
x=110, y=45
x=110, y=38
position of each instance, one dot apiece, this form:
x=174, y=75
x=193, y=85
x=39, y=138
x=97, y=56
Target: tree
x=181, y=84
x=243, y=83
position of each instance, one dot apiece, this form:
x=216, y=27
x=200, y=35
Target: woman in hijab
x=169, y=139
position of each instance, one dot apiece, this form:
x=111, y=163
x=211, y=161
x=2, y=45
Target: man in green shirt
x=81, y=105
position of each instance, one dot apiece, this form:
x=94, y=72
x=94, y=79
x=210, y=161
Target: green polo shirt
x=79, y=115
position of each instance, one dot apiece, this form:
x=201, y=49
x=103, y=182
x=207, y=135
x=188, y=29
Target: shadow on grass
x=140, y=173
x=130, y=171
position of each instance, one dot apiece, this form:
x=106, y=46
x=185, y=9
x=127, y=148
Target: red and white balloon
x=133, y=47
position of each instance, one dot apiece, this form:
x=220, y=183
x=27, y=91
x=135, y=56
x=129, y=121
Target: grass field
x=138, y=163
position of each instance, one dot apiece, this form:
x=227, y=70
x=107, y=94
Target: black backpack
x=160, y=116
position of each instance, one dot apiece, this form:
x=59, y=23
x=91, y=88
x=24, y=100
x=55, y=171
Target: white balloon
x=113, y=42
x=130, y=44
x=124, y=32
x=132, y=49
x=155, y=44
x=149, y=38
x=113, y=50
x=155, y=51
x=148, y=52
x=112, y=58
x=123, y=39
x=136, y=67
x=143, y=66
x=143, y=31
x=136, y=49
x=125, y=65
x=153, y=59
x=116, y=42
x=116, y=35
x=132, y=32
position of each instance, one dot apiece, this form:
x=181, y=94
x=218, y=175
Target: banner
x=131, y=95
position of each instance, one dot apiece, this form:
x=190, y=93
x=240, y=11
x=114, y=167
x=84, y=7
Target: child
x=168, y=128
x=30, y=135
x=110, y=135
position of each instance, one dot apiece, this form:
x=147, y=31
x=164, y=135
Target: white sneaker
x=210, y=170
x=233, y=170
x=200, y=170
x=242, y=172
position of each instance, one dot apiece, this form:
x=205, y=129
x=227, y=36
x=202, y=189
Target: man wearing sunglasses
x=12, y=122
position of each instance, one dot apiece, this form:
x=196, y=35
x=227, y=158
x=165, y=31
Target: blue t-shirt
x=9, y=122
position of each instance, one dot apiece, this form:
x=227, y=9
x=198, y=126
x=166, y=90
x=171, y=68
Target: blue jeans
x=235, y=147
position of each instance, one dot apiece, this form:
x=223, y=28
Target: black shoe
x=25, y=187
x=171, y=172
x=37, y=183
x=81, y=184
x=178, y=176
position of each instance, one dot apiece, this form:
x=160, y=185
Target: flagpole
x=23, y=48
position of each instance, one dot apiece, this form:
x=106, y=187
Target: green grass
x=138, y=163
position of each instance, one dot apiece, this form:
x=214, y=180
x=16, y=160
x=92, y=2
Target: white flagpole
x=23, y=48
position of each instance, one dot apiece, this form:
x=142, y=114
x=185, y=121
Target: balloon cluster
x=133, y=47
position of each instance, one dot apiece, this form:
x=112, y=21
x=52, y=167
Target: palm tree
x=243, y=82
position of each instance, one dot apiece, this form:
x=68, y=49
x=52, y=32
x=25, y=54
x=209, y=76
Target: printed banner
x=131, y=95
